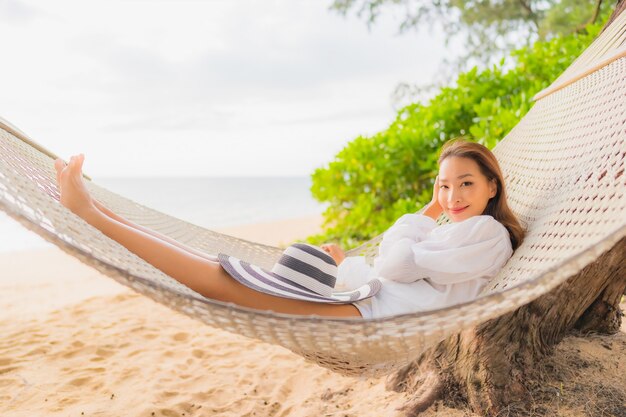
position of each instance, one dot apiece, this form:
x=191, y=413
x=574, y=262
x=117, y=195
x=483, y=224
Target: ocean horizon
x=210, y=202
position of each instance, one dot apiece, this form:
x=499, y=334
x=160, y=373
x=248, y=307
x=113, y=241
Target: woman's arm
x=151, y=232
x=433, y=209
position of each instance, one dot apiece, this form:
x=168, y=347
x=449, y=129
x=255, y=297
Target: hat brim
x=262, y=280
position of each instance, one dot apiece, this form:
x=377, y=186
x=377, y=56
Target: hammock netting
x=564, y=172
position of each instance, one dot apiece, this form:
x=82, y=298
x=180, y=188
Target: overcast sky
x=203, y=88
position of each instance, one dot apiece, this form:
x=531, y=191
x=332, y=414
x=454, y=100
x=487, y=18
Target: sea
x=210, y=202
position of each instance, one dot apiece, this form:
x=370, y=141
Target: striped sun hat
x=303, y=272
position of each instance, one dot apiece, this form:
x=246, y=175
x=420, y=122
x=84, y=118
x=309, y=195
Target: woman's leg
x=200, y=274
x=204, y=276
x=154, y=233
x=233, y=291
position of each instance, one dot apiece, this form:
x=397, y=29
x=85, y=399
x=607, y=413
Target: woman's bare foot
x=74, y=194
x=334, y=251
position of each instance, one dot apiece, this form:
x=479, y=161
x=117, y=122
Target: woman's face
x=462, y=185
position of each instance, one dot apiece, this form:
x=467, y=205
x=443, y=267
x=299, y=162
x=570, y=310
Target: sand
x=75, y=342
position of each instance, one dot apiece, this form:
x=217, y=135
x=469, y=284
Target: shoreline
x=278, y=233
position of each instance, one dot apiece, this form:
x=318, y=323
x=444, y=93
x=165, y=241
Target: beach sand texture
x=75, y=342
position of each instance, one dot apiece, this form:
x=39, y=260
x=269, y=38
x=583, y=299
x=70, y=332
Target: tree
x=492, y=29
x=493, y=366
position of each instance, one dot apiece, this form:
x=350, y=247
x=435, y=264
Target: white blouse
x=424, y=266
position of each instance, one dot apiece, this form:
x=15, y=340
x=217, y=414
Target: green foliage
x=374, y=180
x=566, y=16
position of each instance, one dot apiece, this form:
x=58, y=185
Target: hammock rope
x=564, y=173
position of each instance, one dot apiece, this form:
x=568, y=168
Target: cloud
x=149, y=71
x=17, y=12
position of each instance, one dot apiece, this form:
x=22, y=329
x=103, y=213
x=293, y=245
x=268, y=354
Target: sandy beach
x=77, y=343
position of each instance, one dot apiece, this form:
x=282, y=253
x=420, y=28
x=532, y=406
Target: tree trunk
x=492, y=367
x=620, y=6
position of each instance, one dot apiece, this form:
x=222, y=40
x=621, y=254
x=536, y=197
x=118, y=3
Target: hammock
x=564, y=173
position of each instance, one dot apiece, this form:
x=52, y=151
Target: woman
x=424, y=266
x=470, y=180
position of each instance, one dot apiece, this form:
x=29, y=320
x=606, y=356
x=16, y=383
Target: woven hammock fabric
x=564, y=173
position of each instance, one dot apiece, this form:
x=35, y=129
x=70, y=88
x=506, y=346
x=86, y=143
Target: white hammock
x=564, y=173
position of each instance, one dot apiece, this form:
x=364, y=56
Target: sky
x=216, y=88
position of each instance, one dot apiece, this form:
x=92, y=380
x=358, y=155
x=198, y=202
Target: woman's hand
x=335, y=252
x=435, y=200
x=434, y=209
x=74, y=193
